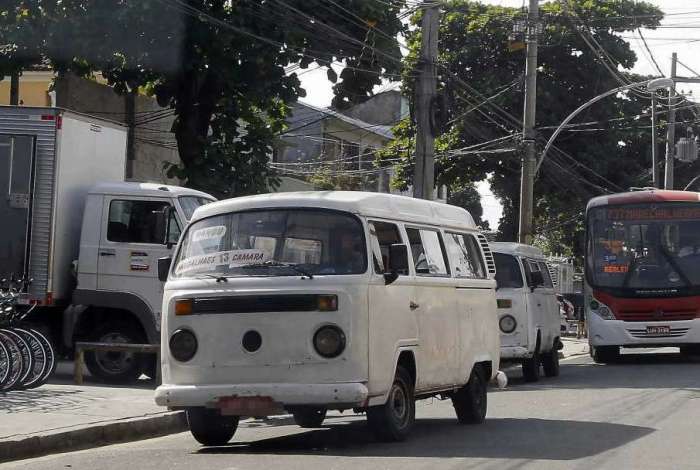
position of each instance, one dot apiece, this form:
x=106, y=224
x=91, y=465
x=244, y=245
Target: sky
x=680, y=33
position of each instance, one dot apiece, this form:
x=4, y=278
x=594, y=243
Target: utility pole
x=14, y=88
x=527, y=181
x=671, y=131
x=426, y=86
x=654, y=158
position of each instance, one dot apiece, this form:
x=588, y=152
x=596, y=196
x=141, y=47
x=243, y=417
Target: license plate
x=658, y=330
x=248, y=406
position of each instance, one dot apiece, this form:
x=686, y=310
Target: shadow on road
x=508, y=438
x=632, y=370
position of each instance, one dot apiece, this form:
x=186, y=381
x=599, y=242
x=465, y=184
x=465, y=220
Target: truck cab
x=126, y=227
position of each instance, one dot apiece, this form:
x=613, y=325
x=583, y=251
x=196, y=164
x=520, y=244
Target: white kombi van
x=528, y=311
x=307, y=302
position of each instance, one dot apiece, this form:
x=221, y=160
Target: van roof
x=145, y=189
x=519, y=249
x=380, y=205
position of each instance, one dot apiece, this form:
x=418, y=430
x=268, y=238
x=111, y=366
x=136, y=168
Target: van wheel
x=309, y=417
x=605, y=354
x=550, y=362
x=531, y=368
x=393, y=420
x=470, y=401
x=209, y=427
x=115, y=367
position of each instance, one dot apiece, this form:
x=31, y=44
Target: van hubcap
x=399, y=405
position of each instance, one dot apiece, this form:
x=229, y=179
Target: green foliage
x=473, y=52
x=227, y=86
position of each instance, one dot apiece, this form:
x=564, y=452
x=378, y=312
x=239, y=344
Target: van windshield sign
x=229, y=259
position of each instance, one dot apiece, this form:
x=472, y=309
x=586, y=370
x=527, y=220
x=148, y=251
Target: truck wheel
x=531, y=367
x=309, y=417
x=605, y=354
x=209, y=427
x=393, y=420
x=470, y=401
x=115, y=367
x=550, y=362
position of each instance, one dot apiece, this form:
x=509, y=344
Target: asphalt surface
x=641, y=414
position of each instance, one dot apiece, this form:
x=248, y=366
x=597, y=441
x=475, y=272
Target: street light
x=652, y=86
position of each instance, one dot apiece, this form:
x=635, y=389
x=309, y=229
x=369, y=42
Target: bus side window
x=383, y=235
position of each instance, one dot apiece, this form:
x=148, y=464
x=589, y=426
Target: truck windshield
x=190, y=203
x=273, y=243
x=644, y=246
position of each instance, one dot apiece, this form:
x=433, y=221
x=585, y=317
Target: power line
x=639, y=30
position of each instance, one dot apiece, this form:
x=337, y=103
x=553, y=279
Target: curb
x=112, y=432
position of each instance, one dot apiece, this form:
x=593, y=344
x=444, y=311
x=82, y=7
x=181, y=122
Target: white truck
x=89, y=240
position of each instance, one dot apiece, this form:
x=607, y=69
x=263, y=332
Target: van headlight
x=507, y=323
x=183, y=345
x=329, y=341
x=602, y=310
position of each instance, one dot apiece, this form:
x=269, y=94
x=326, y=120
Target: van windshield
x=276, y=242
x=508, y=274
x=190, y=203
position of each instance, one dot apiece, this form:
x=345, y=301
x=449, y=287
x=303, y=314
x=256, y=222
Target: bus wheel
x=691, y=350
x=209, y=427
x=470, y=401
x=309, y=417
x=550, y=362
x=393, y=420
x=531, y=367
x=605, y=354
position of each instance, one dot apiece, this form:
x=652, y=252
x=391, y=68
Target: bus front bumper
x=276, y=395
x=642, y=334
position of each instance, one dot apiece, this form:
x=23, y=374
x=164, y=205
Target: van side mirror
x=398, y=259
x=536, y=279
x=164, y=268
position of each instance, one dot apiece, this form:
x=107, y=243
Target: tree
x=481, y=78
x=219, y=64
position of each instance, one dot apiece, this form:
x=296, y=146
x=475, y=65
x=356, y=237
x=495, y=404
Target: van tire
x=470, y=401
x=209, y=427
x=98, y=363
x=309, y=417
x=550, y=362
x=531, y=368
x=394, y=420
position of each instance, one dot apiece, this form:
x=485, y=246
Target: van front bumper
x=327, y=395
x=509, y=353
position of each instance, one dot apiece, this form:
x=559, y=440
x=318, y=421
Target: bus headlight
x=507, y=323
x=329, y=341
x=602, y=310
x=183, y=345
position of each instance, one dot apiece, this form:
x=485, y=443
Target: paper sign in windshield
x=231, y=259
x=209, y=233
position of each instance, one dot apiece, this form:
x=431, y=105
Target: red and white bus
x=643, y=272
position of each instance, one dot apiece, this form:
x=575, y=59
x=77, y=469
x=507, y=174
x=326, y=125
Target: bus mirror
x=164, y=268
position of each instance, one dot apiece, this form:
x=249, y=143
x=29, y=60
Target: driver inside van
x=350, y=255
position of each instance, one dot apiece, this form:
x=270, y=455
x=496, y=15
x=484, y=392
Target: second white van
x=528, y=311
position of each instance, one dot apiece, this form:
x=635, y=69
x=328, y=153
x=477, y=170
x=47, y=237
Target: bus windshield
x=644, y=246
x=276, y=242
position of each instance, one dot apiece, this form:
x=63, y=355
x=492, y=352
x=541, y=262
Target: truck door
x=16, y=178
x=131, y=242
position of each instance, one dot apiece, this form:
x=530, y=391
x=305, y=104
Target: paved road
x=641, y=414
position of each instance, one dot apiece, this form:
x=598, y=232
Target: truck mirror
x=162, y=223
x=164, y=268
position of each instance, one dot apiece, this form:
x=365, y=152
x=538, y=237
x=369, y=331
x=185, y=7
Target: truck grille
x=657, y=315
x=642, y=333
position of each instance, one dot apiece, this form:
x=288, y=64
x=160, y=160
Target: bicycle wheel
x=15, y=361
x=5, y=364
x=50, y=358
x=25, y=350
x=38, y=356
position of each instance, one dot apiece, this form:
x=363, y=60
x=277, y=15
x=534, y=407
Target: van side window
x=465, y=256
x=382, y=236
x=428, y=252
x=135, y=222
x=545, y=274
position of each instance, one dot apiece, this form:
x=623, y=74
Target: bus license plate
x=248, y=406
x=658, y=330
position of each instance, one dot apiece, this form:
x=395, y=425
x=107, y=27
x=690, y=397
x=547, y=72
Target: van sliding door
x=16, y=179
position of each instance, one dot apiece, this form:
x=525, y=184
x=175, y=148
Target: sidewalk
x=62, y=416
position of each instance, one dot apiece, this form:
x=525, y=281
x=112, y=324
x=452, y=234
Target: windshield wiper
x=674, y=265
x=220, y=278
x=277, y=264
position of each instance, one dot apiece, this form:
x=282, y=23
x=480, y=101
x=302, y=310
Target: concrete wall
x=385, y=108
x=33, y=89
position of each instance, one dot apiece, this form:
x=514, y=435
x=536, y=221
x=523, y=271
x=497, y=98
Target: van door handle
x=107, y=253
x=413, y=305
